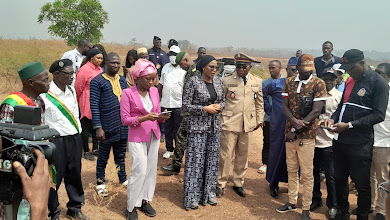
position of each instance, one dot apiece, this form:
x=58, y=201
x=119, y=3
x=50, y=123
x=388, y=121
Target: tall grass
x=16, y=53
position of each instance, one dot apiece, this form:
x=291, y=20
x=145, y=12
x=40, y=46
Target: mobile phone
x=327, y=128
x=163, y=113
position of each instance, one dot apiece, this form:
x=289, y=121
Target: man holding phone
x=323, y=153
x=363, y=105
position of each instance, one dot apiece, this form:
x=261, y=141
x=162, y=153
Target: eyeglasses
x=241, y=67
x=292, y=69
x=213, y=67
x=66, y=73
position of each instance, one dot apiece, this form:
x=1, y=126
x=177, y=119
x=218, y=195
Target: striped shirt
x=105, y=108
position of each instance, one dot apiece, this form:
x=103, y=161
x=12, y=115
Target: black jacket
x=365, y=107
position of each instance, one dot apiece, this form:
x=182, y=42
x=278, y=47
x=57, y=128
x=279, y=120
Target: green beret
x=180, y=56
x=31, y=69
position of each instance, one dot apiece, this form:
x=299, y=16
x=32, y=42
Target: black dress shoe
x=133, y=215
x=219, y=192
x=354, y=211
x=274, y=192
x=315, y=205
x=76, y=215
x=171, y=169
x=240, y=191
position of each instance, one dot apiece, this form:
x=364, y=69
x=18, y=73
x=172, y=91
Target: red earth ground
x=168, y=197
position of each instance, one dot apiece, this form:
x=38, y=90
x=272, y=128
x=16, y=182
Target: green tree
x=73, y=20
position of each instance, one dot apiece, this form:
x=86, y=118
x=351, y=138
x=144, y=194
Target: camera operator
x=36, y=187
x=62, y=114
x=35, y=80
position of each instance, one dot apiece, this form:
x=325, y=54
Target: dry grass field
x=168, y=200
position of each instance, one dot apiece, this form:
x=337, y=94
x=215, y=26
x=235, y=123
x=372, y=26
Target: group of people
x=330, y=118
x=316, y=119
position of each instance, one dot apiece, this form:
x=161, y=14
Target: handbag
x=307, y=106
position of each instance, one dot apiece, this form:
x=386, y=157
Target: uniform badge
x=61, y=64
x=361, y=92
x=232, y=95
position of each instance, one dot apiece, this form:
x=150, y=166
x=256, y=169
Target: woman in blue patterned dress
x=204, y=99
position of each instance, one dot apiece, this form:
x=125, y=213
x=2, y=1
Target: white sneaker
x=262, y=169
x=167, y=154
x=125, y=183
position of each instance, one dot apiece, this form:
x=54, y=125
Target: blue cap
x=293, y=61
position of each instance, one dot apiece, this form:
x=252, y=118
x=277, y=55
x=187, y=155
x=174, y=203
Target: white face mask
x=172, y=59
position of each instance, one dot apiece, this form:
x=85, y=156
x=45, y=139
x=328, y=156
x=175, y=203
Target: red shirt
x=83, y=80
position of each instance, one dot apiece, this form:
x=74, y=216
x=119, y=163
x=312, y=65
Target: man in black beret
x=157, y=55
x=62, y=114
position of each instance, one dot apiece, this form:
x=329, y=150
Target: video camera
x=18, y=139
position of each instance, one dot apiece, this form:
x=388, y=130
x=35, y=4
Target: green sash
x=63, y=109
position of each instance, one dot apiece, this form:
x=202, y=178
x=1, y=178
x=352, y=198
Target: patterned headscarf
x=143, y=67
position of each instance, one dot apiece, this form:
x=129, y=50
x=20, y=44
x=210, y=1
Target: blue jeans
x=324, y=156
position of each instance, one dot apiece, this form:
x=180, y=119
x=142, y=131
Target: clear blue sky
x=258, y=24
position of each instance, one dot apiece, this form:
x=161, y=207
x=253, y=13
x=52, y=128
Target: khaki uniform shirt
x=244, y=104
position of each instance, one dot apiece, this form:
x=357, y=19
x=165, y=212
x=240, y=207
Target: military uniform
x=181, y=138
x=244, y=110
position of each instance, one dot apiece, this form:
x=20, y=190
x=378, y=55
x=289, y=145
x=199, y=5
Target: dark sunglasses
x=241, y=67
x=294, y=70
x=214, y=67
x=66, y=73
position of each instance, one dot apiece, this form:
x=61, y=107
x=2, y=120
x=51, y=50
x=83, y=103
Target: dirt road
x=168, y=198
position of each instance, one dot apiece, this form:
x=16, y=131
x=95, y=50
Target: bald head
x=112, y=55
x=274, y=68
x=113, y=63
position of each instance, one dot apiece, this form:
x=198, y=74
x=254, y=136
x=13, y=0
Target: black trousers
x=68, y=166
x=171, y=126
x=353, y=160
x=86, y=125
x=324, y=157
x=266, y=141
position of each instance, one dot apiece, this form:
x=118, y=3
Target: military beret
x=180, y=56
x=60, y=64
x=31, y=69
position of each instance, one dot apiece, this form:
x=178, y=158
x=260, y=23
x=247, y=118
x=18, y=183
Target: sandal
x=101, y=190
x=262, y=169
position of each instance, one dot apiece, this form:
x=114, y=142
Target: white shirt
x=147, y=102
x=382, y=130
x=76, y=57
x=172, y=79
x=324, y=137
x=53, y=116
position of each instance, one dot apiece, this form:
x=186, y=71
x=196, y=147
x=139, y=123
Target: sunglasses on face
x=241, y=67
x=213, y=67
x=292, y=69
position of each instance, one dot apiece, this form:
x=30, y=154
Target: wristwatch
x=350, y=125
x=293, y=130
